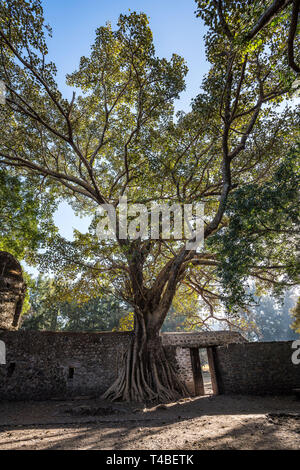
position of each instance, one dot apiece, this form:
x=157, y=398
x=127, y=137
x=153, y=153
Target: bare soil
x=208, y=422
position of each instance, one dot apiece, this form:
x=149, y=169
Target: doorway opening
x=204, y=374
x=208, y=390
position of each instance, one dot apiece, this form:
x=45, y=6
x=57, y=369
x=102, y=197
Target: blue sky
x=175, y=29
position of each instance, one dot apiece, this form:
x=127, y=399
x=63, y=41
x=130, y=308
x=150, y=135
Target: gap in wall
x=205, y=371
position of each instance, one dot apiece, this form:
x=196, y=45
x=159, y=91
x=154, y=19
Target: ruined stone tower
x=12, y=291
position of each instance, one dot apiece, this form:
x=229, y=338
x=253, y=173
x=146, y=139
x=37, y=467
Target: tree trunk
x=146, y=374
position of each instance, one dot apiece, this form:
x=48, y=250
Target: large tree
x=120, y=137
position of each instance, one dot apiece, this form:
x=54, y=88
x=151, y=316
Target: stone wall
x=184, y=368
x=202, y=339
x=41, y=365
x=256, y=368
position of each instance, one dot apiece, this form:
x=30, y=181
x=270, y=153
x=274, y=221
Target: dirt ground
x=208, y=422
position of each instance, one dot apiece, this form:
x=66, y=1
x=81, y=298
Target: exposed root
x=146, y=376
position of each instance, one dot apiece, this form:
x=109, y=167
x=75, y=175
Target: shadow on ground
x=209, y=422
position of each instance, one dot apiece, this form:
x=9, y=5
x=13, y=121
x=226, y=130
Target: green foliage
x=233, y=21
x=25, y=215
x=126, y=323
x=175, y=320
x=26, y=219
x=121, y=137
x=49, y=307
x=262, y=222
x=52, y=309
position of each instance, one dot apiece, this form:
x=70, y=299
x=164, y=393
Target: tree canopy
x=244, y=21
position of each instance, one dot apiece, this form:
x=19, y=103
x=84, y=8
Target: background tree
x=26, y=220
x=44, y=310
x=120, y=138
x=272, y=320
x=296, y=315
x=25, y=215
x=52, y=309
